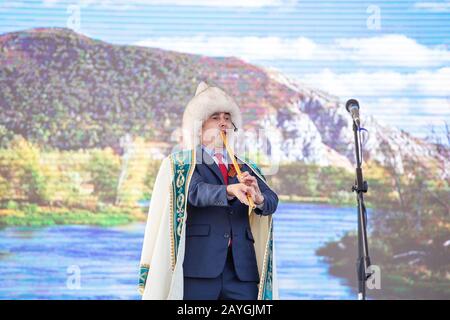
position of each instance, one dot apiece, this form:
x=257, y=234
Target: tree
x=22, y=174
x=104, y=169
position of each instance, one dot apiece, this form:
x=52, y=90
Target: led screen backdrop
x=91, y=100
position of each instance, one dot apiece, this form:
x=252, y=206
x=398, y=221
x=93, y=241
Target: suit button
x=231, y=212
x=226, y=235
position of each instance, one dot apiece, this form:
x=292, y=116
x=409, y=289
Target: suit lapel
x=209, y=162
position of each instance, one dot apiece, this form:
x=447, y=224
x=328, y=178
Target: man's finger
x=243, y=199
x=253, y=193
x=243, y=195
x=249, y=180
x=252, y=180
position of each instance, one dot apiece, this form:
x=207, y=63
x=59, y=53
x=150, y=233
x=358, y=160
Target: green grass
x=38, y=217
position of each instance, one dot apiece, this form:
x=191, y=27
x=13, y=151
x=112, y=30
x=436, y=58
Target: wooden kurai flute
x=236, y=167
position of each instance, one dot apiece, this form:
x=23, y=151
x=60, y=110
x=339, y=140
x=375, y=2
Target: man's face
x=212, y=126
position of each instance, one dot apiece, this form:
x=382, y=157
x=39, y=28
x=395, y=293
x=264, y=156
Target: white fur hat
x=207, y=100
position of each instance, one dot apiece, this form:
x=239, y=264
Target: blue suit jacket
x=213, y=219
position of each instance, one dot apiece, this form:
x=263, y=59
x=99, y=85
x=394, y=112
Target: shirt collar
x=211, y=152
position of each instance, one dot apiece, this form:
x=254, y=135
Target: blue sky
x=393, y=56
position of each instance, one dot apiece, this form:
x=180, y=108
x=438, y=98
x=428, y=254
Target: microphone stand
x=360, y=187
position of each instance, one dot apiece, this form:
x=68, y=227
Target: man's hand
x=240, y=191
x=251, y=181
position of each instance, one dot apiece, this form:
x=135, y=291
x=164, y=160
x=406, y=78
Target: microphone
x=352, y=107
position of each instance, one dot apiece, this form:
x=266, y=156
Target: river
x=89, y=262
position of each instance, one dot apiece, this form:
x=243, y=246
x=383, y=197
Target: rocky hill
x=64, y=90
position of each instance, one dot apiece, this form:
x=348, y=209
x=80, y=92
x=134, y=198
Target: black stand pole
x=363, y=261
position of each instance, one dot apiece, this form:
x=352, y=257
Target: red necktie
x=224, y=171
x=222, y=167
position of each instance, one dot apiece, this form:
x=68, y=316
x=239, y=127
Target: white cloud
x=432, y=83
x=382, y=84
x=391, y=97
x=388, y=50
x=391, y=50
x=397, y=108
x=357, y=83
x=433, y=6
x=247, y=48
x=416, y=116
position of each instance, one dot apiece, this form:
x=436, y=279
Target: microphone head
x=351, y=103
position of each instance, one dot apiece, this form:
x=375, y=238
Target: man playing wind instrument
x=209, y=233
